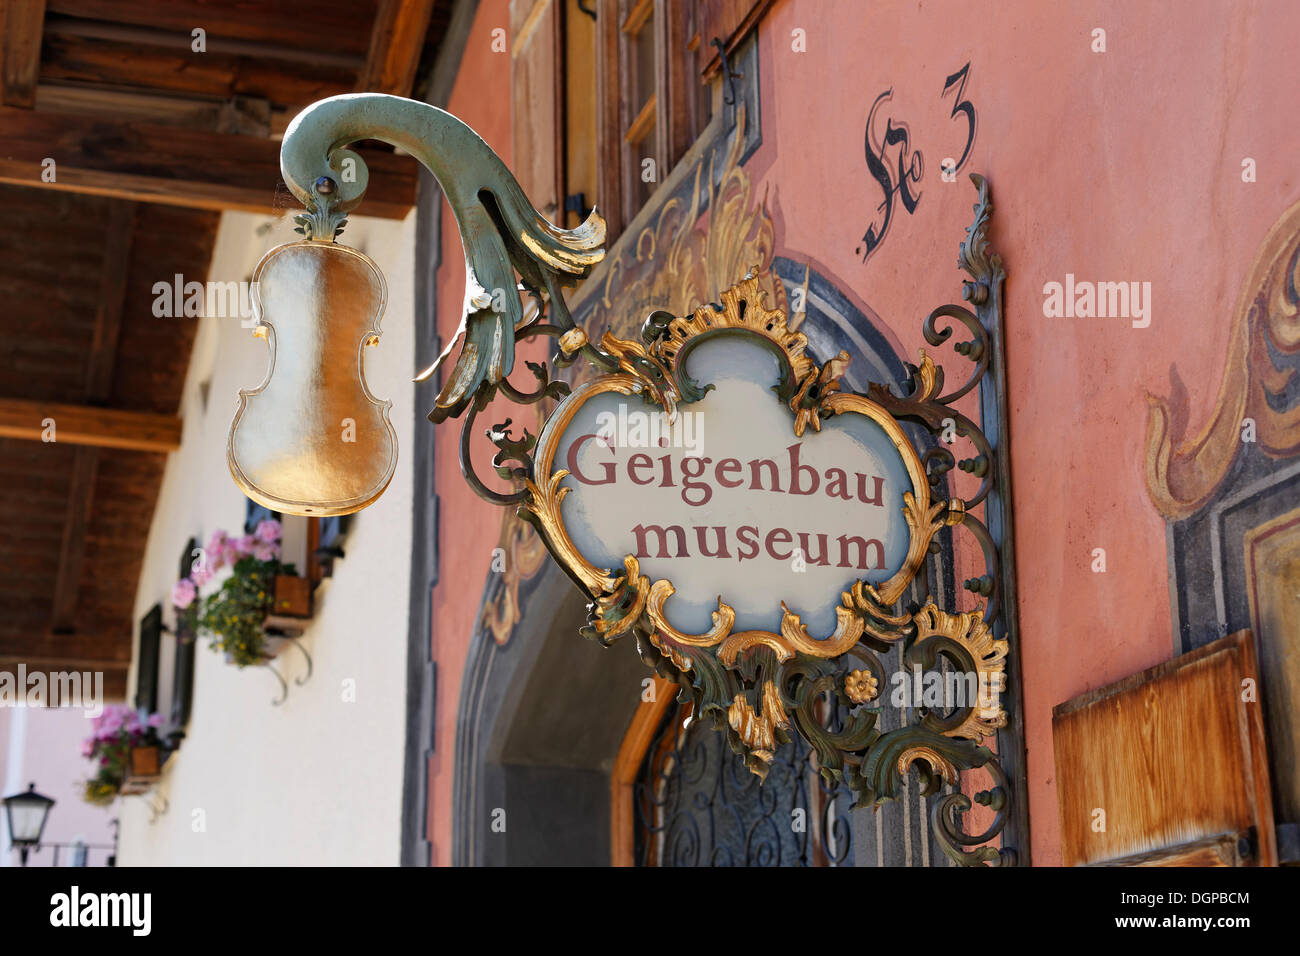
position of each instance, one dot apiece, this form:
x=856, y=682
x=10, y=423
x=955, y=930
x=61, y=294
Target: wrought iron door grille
x=698, y=805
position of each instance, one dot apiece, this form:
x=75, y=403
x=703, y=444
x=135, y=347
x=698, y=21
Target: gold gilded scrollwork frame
x=656, y=372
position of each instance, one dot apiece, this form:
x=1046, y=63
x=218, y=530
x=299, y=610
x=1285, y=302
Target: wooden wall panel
x=1173, y=756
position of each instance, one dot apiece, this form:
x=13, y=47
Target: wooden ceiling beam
x=93, y=643
x=121, y=62
x=116, y=675
x=168, y=164
x=332, y=27
x=21, y=24
x=86, y=425
x=142, y=36
x=247, y=116
x=396, y=41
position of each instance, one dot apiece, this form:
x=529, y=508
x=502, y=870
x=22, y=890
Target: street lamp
x=26, y=814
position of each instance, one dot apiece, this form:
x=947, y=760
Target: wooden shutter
x=1168, y=767
x=609, y=130
x=325, y=537
x=537, y=145
x=146, y=665
x=183, y=663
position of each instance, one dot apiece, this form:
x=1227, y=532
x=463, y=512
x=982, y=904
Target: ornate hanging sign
x=722, y=460
x=719, y=496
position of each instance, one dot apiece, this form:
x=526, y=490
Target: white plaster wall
x=317, y=780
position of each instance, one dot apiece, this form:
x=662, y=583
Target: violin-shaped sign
x=312, y=439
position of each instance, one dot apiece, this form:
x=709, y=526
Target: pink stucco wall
x=1123, y=165
x=1115, y=166
x=468, y=525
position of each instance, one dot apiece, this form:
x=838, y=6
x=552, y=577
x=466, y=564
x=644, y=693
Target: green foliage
x=233, y=615
x=101, y=791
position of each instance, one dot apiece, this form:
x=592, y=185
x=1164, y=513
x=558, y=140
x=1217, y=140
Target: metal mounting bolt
x=977, y=293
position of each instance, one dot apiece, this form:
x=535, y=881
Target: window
x=650, y=100
x=638, y=119
x=608, y=95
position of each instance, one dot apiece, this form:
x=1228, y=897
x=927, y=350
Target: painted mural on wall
x=1259, y=398
x=1231, y=493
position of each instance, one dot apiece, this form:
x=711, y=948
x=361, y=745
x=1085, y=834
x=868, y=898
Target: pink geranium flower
x=268, y=531
x=111, y=720
x=183, y=593
x=214, y=554
x=264, y=551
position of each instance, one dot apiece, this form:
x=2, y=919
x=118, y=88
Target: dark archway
x=540, y=721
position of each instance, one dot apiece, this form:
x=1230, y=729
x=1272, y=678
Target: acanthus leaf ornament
x=758, y=684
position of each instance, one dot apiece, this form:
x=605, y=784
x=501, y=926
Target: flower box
x=125, y=753
x=291, y=608
x=292, y=596
x=143, y=770
x=261, y=599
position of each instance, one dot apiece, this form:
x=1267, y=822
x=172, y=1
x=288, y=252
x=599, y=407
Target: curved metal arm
x=500, y=230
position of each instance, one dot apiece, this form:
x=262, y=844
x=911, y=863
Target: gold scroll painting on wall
x=1182, y=477
x=1186, y=477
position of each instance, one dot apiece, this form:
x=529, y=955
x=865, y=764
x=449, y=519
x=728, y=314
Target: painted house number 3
x=894, y=149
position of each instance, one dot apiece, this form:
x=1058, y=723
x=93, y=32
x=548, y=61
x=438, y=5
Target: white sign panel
x=727, y=501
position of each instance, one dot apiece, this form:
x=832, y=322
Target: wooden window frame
x=671, y=111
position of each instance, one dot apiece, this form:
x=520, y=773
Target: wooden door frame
x=627, y=765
